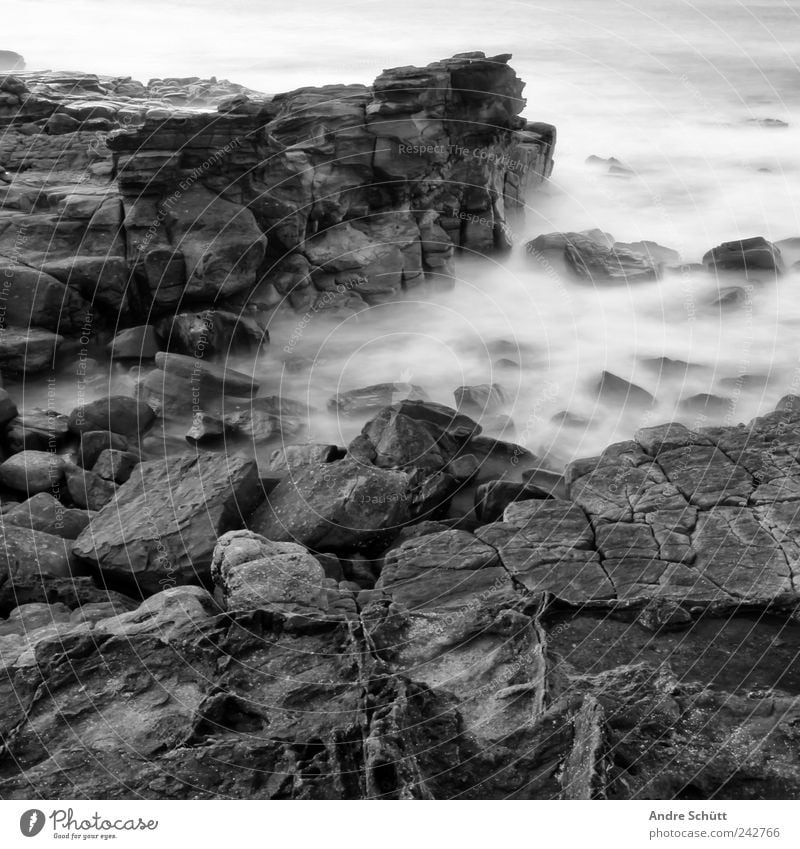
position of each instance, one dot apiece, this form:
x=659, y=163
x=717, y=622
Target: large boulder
x=27, y=350
x=37, y=430
x=161, y=528
x=443, y=570
x=88, y=490
x=413, y=433
x=135, y=343
x=36, y=299
x=116, y=413
x=33, y=471
x=29, y=557
x=43, y=512
x=339, y=506
x=755, y=254
x=255, y=573
x=220, y=241
x=212, y=332
x=592, y=256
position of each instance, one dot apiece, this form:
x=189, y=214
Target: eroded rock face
x=576, y=649
x=474, y=695
x=345, y=193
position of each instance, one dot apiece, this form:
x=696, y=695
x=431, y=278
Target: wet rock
x=32, y=471
x=707, y=405
x=94, y=442
x=669, y=367
x=755, y=254
x=43, y=512
x=483, y=398
x=27, y=350
x=213, y=332
x=37, y=430
x=732, y=297
x=663, y=615
x=255, y=573
x=463, y=467
x=592, y=256
x=116, y=413
x=371, y=398
x=194, y=371
x=88, y=490
x=206, y=427
x=394, y=441
x=27, y=555
x=258, y=420
x=652, y=250
x=548, y=546
x=668, y=437
x=499, y=459
x=492, y=499
x=616, y=390
x=115, y=465
x=567, y=419
x=769, y=123
x=162, y=526
x=290, y=457
x=442, y=570
x=8, y=409
x=341, y=506
x=35, y=300
x=135, y=343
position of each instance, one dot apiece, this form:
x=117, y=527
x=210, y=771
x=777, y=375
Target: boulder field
x=342, y=629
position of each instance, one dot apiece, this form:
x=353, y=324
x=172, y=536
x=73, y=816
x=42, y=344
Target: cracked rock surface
x=637, y=639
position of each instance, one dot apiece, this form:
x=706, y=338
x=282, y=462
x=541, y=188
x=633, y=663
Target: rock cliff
x=130, y=202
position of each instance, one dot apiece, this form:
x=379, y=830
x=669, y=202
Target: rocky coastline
x=427, y=612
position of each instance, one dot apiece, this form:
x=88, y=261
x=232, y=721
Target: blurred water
x=668, y=87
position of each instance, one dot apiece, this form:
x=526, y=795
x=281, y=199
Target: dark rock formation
x=601, y=645
x=756, y=254
x=43, y=512
x=593, y=256
x=343, y=193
